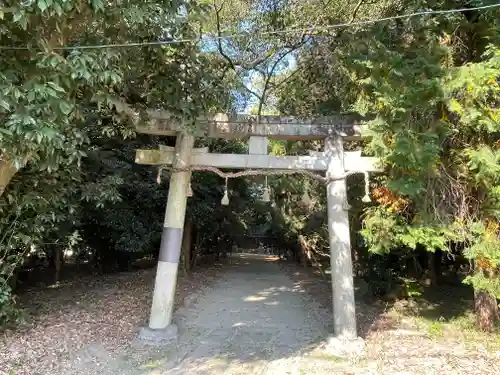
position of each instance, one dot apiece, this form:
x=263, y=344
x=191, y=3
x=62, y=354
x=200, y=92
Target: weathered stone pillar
x=160, y=328
x=344, y=311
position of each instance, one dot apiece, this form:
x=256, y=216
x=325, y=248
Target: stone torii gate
x=333, y=160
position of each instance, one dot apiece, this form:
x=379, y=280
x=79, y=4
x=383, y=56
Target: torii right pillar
x=345, y=340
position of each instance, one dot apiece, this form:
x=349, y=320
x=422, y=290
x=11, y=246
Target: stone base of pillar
x=345, y=346
x=159, y=337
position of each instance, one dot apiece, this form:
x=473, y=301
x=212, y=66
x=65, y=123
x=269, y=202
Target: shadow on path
x=255, y=319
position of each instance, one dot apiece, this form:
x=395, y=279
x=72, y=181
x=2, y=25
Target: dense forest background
x=73, y=200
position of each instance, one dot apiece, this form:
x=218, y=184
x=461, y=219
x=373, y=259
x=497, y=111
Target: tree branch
x=219, y=37
x=353, y=16
x=270, y=75
x=258, y=61
x=356, y=10
x=232, y=63
x=251, y=91
x=8, y=170
x=286, y=79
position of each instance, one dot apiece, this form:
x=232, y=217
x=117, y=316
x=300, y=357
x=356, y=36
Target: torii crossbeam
x=333, y=160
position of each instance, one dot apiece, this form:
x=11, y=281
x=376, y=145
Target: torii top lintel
x=242, y=126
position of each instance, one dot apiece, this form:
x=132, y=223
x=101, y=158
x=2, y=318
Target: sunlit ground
x=434, y=334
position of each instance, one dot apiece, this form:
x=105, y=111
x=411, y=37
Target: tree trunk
x=411, y=267
x=57, y=264
x=7, y=171
x=431, y=277
x=486, y=308
x=187, y=242
x=302, y=251
x=77, y=262
x=438, y=261
x=196, y=248
x=356, y=260
x=14, y=278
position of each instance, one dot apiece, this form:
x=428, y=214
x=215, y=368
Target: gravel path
x=251, y=315
x=254, y=320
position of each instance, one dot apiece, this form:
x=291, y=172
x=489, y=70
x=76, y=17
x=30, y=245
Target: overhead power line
x=265, y=33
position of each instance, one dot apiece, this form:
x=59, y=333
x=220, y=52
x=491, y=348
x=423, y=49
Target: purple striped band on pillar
x=171, y=242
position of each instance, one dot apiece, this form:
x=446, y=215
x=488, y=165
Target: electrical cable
x=264, y=33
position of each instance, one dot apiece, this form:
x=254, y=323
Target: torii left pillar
x=160, y=329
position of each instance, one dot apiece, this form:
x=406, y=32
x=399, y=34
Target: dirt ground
x=103, y=312
x=431, y=335
x=243, y=317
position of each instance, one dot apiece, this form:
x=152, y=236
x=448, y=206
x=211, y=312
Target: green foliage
x=385, y=232
x=112, y=217
x=484, y=251
x=59, y=100
x=381, y=230
x=412, y=289
x=8, y=311
x=429, y=88
x=437, y=138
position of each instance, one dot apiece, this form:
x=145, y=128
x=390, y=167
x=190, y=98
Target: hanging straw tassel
x=225, y=199
x=366, y=197
x=189, y=190
x=345, y=205
x=306, y=199
x=158, y=176
x=266, y=196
